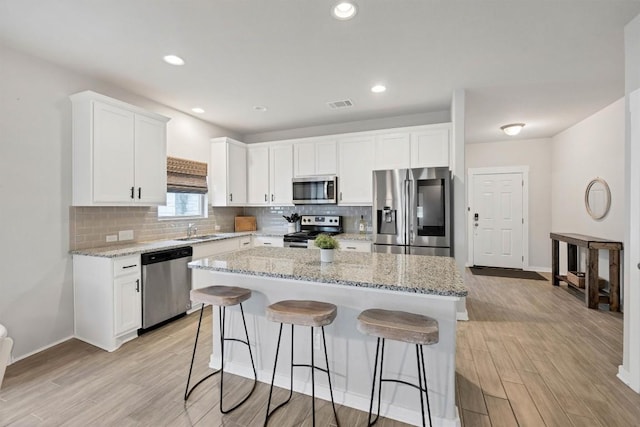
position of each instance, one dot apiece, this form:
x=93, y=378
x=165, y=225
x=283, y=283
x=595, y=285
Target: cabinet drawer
x=355, y=246
x=273, y=242
x=126, y=265
x=245, y=242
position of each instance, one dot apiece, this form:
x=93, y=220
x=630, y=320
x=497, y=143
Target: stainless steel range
x=310, y=227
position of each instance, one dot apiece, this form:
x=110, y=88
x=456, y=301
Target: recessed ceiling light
x=378, y=88
x=344, y=10
x=260, y=108
x=197, y=110
x=173, y=60
x=513, y=129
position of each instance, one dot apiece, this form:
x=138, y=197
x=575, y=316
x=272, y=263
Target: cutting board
x=245, y=223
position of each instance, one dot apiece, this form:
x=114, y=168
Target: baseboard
x=625, y=377
x=48, y=346
x=539, y=269
x=462, y=316
x=352, y=400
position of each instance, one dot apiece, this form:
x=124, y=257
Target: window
x=182, y=205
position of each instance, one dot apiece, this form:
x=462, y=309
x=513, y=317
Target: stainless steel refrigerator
x=412, y=211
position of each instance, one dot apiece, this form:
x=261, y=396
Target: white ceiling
x=548, y=63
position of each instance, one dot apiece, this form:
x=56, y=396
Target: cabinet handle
x=351, y=247
x=245, y=243
x=341, y=196
x=137, y=285
x=132, y=190
x=139, y=192
x=267, y=243
x=129, y=266
x=265, y=197
x=231, y=197
x=272, y=197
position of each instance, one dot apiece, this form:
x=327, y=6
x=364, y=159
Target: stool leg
x=426, y=386
x=187, y=392
x=273, y=376
x=379, y=350
x=326, y=358
x=223, y=315
x=313, y=383
x=420, y=389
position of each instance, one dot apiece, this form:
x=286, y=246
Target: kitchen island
x=354, y=282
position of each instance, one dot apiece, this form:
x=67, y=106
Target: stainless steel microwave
x=317, y=190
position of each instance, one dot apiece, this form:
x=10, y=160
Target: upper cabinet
x=228, y=173
x=430, y=147
x=355, y=161
x=392, y=151
x=316, y=157
x=119, y=153
x=269, y=174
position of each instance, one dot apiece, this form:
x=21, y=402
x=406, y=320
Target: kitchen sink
x=198, y=238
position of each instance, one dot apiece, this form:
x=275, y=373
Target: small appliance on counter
x=310, y=227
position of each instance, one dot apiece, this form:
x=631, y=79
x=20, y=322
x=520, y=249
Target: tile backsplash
x=270, y=218
x=90, y=226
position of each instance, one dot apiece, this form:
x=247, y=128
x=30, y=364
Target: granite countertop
x=143, y=247
x=405, y=273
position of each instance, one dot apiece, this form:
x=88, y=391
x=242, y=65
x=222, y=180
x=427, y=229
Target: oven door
x=315, y=190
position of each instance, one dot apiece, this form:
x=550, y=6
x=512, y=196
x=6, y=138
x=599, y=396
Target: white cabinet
x=202, y=278
x=258, y=175
x=355, y=162
x=355, y=246
x=430, y=147
x=281, y=174
x=392, y=151
x=316, y=157
x=269, y=174
x=119, y=153
x=268, y=241
x=228, y=173
x=107, y=300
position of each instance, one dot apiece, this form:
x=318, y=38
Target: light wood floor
x=531, y=355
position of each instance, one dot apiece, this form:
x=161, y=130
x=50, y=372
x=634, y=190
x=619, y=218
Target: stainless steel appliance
x=310, y=227
x=317, y=190
x=412, y=211
x=166, y=283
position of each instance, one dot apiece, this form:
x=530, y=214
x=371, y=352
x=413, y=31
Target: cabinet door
x=281, y=169
x=237, y=173
x=430, y=148
x=127, y=304
x=113, y=164
x=326, y=157
x=150, y=161
x=355, y=180
x=258, y=175
x=393, y=151
x=304, y=155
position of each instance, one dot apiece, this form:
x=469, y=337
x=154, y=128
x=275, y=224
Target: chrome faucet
x=192, y=230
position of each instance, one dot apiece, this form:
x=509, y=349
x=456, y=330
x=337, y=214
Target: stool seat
x=302, y=313
x=399, y=326
x=220, y=296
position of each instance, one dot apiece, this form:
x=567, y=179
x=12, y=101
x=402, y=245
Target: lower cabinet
x=355, y=246
x=268, y=241
x=107, y=300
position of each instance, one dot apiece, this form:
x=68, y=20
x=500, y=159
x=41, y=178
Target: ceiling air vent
x=340, y=104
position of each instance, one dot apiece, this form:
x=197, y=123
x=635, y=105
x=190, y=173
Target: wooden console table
x=593, y=245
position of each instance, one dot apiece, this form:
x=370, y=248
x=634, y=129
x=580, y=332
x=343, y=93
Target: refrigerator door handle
x=407, y=212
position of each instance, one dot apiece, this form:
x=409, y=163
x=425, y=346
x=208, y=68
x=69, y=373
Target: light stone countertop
x=355, y=236
x=143, y=247
x=404, y=273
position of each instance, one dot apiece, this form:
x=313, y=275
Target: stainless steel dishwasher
x=166, y=283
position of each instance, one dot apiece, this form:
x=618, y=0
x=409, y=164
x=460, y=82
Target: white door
x=392, y=151
x=498, y=227
x=150, y=161
x=281, y=158
x=258, y=175
x=355, y=180
x=237, y=175
x=127, y=304
x=326, y=157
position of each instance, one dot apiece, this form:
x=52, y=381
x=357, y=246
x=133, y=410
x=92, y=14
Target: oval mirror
x=597, y=198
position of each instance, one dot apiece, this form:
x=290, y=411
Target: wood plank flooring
x=531, y=355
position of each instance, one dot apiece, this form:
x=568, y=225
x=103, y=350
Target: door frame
x=472, y=173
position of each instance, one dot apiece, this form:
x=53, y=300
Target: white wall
x=592, y=148
x=535, y=153
x=36, y=301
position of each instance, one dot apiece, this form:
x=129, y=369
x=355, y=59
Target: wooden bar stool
x=222, y=297
x=399, y=326
x=302, y=313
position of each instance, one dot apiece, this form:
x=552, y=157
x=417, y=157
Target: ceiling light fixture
x=378, y=88
x=513, y=129
x=173, y=60
x=197, y=110
x=260, y=108
x=344, y=10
